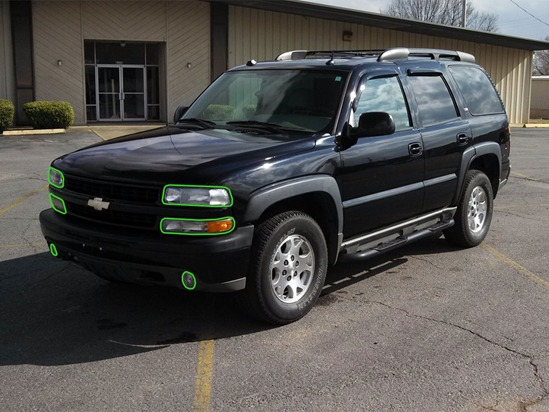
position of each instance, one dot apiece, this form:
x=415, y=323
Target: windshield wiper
x=272, y=127
x=200, y=123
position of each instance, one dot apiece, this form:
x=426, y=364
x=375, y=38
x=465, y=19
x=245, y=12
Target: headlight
x=205, y=196
x=56, y=178
x=196, y=227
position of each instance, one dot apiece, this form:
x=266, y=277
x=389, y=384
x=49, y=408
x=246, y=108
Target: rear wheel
x=474, y=212
x=288, y=268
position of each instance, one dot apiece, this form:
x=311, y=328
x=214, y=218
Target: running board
x=396, y=243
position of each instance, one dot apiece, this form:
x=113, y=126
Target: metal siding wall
x=124, y=20
x=188, y=42
x=52, y=42
x=185, y=26
x=510, y=69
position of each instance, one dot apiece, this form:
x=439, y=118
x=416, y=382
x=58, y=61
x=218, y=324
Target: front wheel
x=287, y=270
x=474, y=212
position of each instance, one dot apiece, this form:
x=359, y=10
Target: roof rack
x=317, y=54
x=388, y=55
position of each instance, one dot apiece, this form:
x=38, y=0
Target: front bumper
x=218, y=263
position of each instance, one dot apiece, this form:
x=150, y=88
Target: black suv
x=282, y=168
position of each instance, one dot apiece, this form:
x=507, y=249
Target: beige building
x=539, y=107
x=138, y=60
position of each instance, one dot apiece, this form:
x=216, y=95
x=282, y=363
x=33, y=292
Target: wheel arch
x=317, y=196
x=485, y=157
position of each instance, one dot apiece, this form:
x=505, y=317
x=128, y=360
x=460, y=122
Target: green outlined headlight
x=56, y=178
x=197, y=227
x=202, y=196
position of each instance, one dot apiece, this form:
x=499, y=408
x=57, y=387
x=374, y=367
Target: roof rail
x=312, y=54
x=403, y=53
x=387, y=55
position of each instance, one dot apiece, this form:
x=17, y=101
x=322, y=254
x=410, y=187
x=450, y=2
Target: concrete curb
x=28, y=132
x=531, y=125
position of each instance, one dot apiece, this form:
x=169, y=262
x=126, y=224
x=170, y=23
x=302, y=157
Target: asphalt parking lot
x=426, y=328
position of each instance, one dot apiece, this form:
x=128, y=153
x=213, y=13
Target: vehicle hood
x=172, y=154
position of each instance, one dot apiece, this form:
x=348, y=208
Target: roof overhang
x=321, y=11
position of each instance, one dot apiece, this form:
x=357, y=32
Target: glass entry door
x=121, y=92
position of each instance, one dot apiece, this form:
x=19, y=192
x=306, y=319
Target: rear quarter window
x=433, y=98
x=477, y=90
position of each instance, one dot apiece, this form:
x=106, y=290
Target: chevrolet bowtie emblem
x=98, y=204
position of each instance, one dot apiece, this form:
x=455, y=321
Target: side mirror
x=180, y=111
x=374, y=124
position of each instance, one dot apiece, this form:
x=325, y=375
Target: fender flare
x=271, y=194
x=469, y=155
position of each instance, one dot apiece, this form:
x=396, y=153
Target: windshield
x=288, y=100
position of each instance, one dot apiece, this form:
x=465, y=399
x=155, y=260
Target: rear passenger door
x=444, y=132
x=381, y=176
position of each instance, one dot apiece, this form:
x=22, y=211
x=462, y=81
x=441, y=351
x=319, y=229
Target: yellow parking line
x=203, y=384
x=22, y=199
x=524, y=176
x=521, y=206
x=16, y=245
x=516, y=266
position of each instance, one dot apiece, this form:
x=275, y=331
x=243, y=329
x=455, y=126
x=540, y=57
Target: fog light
x=58, y=204
x=53, y=250
x=188, y=280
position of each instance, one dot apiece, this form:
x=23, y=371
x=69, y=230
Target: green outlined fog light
x=53, y=250
x=56, y=178
x=58, y=204
x=188, y=280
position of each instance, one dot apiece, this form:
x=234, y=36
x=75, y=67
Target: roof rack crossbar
x=387, y=55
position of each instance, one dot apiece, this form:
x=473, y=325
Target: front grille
x=115, y=217
x=112, y=191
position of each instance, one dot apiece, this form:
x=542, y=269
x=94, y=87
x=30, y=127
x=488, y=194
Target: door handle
x=415, y=149
x=462, y=139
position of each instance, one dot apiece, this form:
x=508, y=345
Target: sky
x=511, y=19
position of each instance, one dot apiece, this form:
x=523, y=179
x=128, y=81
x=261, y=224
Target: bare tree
x=448, y=12
x=541, y=62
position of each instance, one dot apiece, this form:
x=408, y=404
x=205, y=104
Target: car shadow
x=53, y=312
x=346, y=274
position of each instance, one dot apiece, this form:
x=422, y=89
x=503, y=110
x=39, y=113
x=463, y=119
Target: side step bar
x=396, y=243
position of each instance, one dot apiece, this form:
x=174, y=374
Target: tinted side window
x=477, y=90
x=384, y=95
x=434, y=101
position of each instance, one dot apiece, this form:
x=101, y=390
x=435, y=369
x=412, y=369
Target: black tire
x=287, y=269
x=474, y=212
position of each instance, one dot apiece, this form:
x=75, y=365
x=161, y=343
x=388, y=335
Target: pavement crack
x=539, y=378
x=426, y=261
x=56, y=273
x=27, y=240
